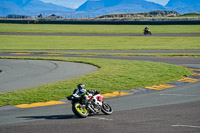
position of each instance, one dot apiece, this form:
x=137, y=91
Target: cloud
x=162, y=2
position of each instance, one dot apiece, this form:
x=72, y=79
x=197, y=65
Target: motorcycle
x=94, y=105
x=147, y=32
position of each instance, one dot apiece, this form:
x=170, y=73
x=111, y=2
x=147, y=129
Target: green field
x=53, y=28
x=87, y=42
x=113, y=75
x=190, y=15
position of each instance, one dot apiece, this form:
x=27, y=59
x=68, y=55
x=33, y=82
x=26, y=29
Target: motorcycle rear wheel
x=79, y=111
x=106, y=109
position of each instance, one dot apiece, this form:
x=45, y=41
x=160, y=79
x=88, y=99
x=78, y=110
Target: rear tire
x=78, y=111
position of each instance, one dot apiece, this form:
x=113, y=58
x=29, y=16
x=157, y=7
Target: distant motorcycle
x=147, y=32
x=94, y=105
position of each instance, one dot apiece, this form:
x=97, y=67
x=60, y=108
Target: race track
x=173, y=110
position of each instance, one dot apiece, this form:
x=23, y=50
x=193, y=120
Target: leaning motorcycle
x=147, y=32
x=95, y=105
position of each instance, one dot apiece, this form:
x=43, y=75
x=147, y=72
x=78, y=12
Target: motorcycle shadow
x=55, y=117
x=49, y=117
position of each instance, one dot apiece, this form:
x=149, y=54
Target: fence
x=99, y=22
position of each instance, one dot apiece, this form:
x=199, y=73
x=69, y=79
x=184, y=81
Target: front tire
x=106, y=109
x=79, y=111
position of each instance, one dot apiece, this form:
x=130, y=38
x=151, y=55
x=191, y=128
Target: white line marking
x=178, y=95
x=101, y=118
x=186, y=126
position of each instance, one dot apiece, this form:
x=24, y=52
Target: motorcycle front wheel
x=79, y=111
x=106, y=109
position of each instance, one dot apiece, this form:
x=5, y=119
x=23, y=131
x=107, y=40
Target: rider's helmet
x=81, y=87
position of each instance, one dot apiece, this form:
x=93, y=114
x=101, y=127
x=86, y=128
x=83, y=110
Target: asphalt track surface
x=170, y=60
x=173, y=110
x=21, y=74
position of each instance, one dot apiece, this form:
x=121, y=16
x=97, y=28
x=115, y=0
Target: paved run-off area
x=21, y=74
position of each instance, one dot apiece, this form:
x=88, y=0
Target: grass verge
x=53, y=28
x=88, y=43
x=131, y=54
x=113, y=75
x=95, y=54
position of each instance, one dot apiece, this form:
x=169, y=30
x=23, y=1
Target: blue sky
x=77, y=3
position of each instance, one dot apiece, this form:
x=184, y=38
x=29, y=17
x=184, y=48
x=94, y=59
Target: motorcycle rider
x=146, y=29
x=82, y=93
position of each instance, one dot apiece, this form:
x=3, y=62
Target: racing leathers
x=83, y=95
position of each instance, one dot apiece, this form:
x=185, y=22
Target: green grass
x=95, y=54
x=86, y=42
x=113, y=75
x=53, y=28
x=127, y=54
x=190, y=15
x=121, y=54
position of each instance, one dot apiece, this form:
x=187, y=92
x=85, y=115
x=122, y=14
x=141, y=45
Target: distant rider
x=146, y=29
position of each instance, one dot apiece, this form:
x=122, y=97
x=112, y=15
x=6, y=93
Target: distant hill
x=153, y=14
x=118, y=6
x=134, y=6
x=29, y=7
x=94, y=7
x=184, y=6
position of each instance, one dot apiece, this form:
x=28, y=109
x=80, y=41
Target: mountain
x=93, y=7
x=184, y=6
x=117, y=6
x=29, y=7
x=67, y=3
